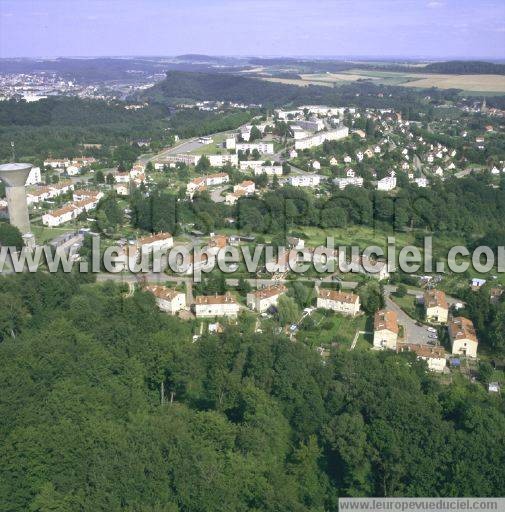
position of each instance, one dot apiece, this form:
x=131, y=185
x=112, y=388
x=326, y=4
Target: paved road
x=185, y=147
x=413, y=333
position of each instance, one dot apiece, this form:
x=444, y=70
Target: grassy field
x=354, y=235
x=475, y=83
x=44, y=234
x=332, y=328
x=211, y=149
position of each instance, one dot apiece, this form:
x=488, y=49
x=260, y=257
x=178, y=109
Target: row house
x=263, y=299
x=318, y=139
x=305, y=180
x=156, y=242
x=169, y=300
x=209, y=306
x=342, y=183
x=45, y=193
x=201, y=183
x=340, y=302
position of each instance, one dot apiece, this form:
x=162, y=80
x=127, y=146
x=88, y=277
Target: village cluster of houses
x=202, y=182
x=48, y=192
x=124, y=179
x=71, y=166
x=462, y=334
x=83, y=201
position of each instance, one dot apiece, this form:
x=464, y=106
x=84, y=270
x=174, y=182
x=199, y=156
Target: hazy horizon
x=384, y=29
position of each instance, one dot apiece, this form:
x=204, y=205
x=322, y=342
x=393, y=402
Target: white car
x=431, y=329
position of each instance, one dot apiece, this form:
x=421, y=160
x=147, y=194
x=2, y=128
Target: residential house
x=201, y=183
x=341, y=302
x=122, y=177
x=305, y=180
x=313, y=125
x=342, y=183
x=208, y=306
x=156, y=242
x=386, y=329
x=121, y=189
x=463, y=337
x=433, y=355
x=261, y=300
x=216, y=243
x=167, y=299
x=261, y=147
x=60, y=216
x=246, y=188
x=221, y=160
x=250, y=165
x=387, y=184
x=436, y=306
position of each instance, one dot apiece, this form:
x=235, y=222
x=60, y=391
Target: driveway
x=413, y=333
x=215, y=194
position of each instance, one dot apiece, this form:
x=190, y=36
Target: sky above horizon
x=382, y=28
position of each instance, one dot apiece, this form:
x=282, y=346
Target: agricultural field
x=475, y=83
x=471, y=83
x=298, y=81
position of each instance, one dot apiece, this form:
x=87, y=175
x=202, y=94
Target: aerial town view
x=252, y=255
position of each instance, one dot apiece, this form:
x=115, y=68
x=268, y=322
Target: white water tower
x=14, y=176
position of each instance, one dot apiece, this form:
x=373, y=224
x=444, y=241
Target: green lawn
x=355, y=235
x=329, y=328
x=44, y=234
x=409, y=304
x=211, y=149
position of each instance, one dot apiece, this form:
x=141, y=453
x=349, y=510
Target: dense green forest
x=193, y=123
x=256, y=422
x=451, y=67
x=59, y=126
x=464, y=67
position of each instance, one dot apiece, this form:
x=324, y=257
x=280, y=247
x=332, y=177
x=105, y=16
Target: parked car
x=431, y=329
x=433, y=336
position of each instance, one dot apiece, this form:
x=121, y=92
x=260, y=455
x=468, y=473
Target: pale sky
x=382, y=28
